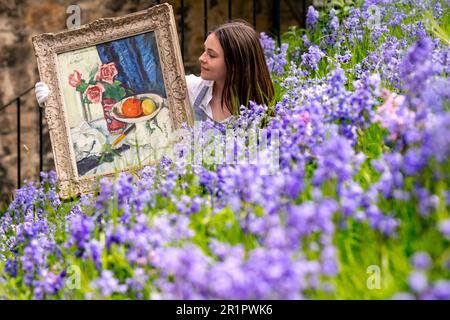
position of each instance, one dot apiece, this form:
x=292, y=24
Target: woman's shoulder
x=193, y=79
x=195, y=83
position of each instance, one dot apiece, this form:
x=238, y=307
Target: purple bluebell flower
x=418, y=281
x=334, y=161
x=441, y=290
x=420, y=31
x=421, y=260
x=107, y=284
x=81, y=228
x=306, y=42
x=85, y=200
x=52, y=178
x=24, y=200
x=435, y=144
x=276, y=58
x=33, y=259
x=351, y=196
x=311, y=58
x=95, y=249
x=116, y=235
x=334, y=21
x=105, y=194
x=403, y=296
x=438, y=10
x=388, y=225
x=138, y=282
x=311, y=17
x=444, y=228
x=416, y=66
x=345, y=58
x=188, y=205
x=124, y=188
x=11, y=268
x=353, y=25
x=48, y=285
x=414, y=161
x=426, y=202
x=328, y=261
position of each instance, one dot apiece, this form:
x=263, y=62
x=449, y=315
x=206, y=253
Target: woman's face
x=212, y=61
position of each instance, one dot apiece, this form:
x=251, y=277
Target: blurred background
x=25, y=147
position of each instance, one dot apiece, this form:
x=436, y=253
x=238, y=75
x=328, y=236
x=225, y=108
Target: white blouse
x=194, y=87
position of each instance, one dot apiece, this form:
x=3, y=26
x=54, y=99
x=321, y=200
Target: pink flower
x=107, y=72
x=391, y=116
x=94, y=93
x=391, y=103
x=75, y=79
x=389, y=109
x=304, y=117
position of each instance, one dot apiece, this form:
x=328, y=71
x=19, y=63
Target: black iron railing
x=275, y=31
x=17, y=101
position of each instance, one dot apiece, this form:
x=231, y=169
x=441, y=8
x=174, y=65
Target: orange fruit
x=131, y=108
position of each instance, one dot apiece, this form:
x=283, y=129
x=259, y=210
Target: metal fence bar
x=13, y=100
x=303, y=12
x=205, y=17
x=276, y=20
x=18, y=142
x=230, y=10
x=254, y=14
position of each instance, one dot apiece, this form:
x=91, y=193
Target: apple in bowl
x=134, y=108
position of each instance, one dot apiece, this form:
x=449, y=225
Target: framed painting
x=118, y=95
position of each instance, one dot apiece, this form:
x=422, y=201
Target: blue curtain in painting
x=137, y=62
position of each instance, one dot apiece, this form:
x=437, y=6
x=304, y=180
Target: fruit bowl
x=159, y=101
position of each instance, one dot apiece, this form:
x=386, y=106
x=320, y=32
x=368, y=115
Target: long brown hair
x=248, y=77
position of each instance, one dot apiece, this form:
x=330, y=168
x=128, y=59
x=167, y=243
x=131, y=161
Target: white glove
x=42, y=92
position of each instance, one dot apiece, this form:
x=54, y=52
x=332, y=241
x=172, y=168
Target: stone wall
x=22, y=19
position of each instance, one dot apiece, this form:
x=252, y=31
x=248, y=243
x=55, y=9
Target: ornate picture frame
x=117, y=95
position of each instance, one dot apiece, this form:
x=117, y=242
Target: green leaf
x=109, y=91
x=121, y=93
x=92, y=74
x=114, y=91
x=82, y=86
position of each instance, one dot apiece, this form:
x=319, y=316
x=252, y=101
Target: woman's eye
x=209, y=54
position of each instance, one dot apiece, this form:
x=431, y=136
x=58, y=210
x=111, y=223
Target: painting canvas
x=116, y=104
x=118, y=95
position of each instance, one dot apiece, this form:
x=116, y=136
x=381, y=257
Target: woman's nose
x=201, y=58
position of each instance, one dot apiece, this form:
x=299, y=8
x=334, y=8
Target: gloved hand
x=42, y=91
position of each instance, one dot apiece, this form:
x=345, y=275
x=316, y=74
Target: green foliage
x=114, y=91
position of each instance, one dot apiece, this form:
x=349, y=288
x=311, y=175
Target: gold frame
x=47, y=46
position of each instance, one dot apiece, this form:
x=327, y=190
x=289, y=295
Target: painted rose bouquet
x=101, y=84
x=102, y=87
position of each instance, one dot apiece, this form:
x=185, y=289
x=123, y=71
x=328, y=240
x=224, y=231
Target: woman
x=233, y=71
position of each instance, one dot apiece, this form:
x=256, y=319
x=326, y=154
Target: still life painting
x=117, y=95
x=117, y=106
